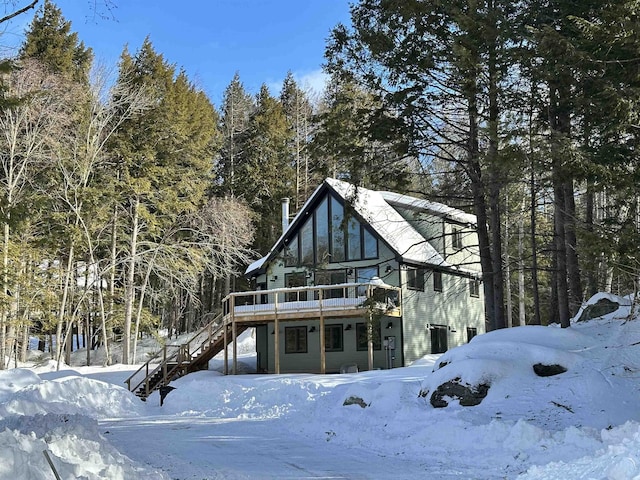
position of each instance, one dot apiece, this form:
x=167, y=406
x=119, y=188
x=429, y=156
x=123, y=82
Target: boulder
x=467, y=395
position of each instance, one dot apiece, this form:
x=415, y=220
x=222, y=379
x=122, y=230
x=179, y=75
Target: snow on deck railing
x=346, y=296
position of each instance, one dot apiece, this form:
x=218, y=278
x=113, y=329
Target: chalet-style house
x=362, y=279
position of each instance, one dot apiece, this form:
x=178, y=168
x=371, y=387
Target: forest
x=133, y=203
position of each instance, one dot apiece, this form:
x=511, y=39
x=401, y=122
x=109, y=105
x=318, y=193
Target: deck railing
x=347, y=296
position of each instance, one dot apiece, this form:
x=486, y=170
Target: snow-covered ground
x=581, y=424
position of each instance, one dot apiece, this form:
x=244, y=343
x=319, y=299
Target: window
x=474, y=287
x=456, y=238
x=437, y=281
x=326, y=236
x=306, y=242
x=415, y=278
x=362, y=340
x=370, y=244
x=355, y=248
x=291, y=253
x=471, y=332
x=333, y=338
x=439, y=339
x=365, y=275
x=337, y=234
x=295, y=339
x=322, y=231
x=295, y=279
x=332, y=277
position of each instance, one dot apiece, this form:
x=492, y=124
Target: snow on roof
x=375, y=207
x=435, y=208
x=399, y=234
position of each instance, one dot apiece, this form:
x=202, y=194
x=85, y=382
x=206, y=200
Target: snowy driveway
x=207, y=448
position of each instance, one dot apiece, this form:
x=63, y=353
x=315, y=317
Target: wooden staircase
x=188, y=357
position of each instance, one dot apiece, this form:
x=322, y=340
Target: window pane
x=332, y=277
x=438, y=339
x=291, y=254
x=437, y=281
x=354, y=249
x=337, y=234
x=295, y=279
x=361, y=337
x=322, y=232
x=306, y=243
x=370, y=245
x=295, y=340
x=415, y=278
x=333, y=338
x=365, y=275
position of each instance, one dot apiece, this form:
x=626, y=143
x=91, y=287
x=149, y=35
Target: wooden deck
x=309, y=303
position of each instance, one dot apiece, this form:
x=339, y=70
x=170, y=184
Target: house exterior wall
x=453, y=307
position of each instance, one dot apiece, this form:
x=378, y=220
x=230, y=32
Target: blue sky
x=212, y=39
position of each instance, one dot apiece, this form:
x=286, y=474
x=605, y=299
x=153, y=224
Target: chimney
x=285, y=214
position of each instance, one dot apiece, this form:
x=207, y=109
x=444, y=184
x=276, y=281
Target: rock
x=353, y=400
x=467, y=395
x=602, y=307
x=543, y=370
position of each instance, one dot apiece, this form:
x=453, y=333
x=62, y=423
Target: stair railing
x=181, y=358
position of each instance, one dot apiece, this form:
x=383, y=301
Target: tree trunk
x=130, y=291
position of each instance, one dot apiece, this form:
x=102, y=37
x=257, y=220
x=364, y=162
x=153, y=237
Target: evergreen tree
x=164, y=160
x=299, y=112
x=237, y=108
x=50, y=40
x=352, y=140
x=266, y=174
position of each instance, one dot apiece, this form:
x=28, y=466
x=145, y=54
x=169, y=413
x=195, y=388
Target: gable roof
x=376, y=209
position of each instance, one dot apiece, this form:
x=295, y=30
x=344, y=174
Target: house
x=362, y=279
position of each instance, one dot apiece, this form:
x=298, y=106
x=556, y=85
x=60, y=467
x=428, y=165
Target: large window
x=295, y=339
x=439, y=342
x=362, y=339
x=415, y=278
x=322, y=232
x=325, y=237
x=333, y=338
x=337, y=232
x=306, y=242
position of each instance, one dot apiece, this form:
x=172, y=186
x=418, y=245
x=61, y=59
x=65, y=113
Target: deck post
x=276, y=337
x=369, y=333
x=234, y=339
x=323, y=354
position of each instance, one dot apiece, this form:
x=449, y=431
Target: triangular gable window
x=322, y=239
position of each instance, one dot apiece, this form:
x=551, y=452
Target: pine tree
x=266, y=174
x=165, y=160
x=299, y=112
x=49, y=39
x=237, y=108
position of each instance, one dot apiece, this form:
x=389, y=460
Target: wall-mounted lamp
x=350, y=271
x=389, y=269
x=274, y=278
x=309, y=274
x=312, y=329
x=452, y=330
x=348, y=327
x=389, y=325
x=273, y=332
